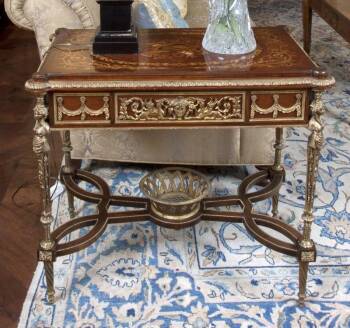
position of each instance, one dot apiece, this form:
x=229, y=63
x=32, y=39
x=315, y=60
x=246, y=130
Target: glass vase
x=229, y=29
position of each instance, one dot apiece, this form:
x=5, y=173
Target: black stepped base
x=114, y=43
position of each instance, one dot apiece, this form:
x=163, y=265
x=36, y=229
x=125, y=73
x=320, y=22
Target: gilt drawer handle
x=276, y=107
x=83, y=110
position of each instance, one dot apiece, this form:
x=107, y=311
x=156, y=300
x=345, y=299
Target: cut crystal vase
x=229, y=29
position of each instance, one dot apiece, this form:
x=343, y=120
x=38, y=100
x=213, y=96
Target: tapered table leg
x=307, y=24
x=277, y=166
x=315, y=144
x=67, y=168
x=41, y=149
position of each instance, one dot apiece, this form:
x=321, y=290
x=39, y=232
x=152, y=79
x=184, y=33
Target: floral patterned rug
x=215, y=274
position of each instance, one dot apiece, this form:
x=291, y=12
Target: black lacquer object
x=116, y=34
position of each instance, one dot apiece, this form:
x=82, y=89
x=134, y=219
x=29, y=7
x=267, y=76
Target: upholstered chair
x=185, y=146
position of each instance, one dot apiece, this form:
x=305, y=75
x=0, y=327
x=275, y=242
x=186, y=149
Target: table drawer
x=82, y=108
x=278, y=105
x=185, y=107
x=179, y=109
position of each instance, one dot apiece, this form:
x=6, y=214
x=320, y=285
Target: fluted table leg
x=315, y=144
x=277, y=166
x=67, y=168
x=41, y=149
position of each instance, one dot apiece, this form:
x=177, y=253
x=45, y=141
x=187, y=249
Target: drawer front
x=277, y=106
x=78, y=108
x=188, y=107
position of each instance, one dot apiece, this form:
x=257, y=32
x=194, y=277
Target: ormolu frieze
x=282, y=105
x=170, y=107
x=80, y=108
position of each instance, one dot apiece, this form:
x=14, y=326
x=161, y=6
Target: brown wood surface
x=168, y=55
x=177, y=109
x=19, y=191
x=175, y=55
x=2, y=11
x=335, y=12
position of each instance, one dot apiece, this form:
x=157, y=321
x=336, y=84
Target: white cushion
x=185, y=146
x=47, y=17
x=157, y=14
x=182, y=5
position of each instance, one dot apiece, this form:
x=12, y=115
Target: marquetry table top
x=175, y=55
x=174, y=82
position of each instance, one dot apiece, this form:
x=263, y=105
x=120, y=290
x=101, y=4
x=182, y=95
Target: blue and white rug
x=215, y=274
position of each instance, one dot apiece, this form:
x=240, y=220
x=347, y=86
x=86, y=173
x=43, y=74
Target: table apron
x=169, y=109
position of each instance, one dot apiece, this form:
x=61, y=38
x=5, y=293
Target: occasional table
x=174, y=83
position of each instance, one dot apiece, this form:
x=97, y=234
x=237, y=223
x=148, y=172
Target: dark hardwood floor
x=20, y=229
